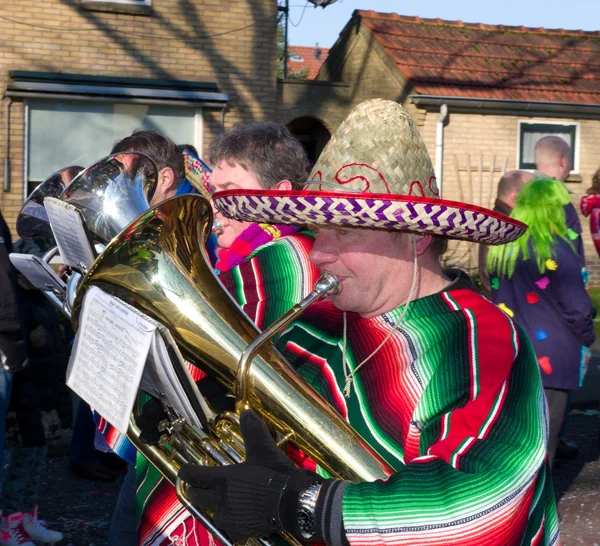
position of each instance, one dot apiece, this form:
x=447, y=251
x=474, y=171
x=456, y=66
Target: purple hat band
x=420, y=214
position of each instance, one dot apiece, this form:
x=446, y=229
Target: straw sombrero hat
x=197, y=173
x=375, y=172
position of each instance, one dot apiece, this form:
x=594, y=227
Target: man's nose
x=323, y=252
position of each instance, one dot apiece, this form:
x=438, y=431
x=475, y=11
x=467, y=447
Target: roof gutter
x=506, y=106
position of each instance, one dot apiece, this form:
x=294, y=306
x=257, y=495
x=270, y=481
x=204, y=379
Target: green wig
x=540, y=205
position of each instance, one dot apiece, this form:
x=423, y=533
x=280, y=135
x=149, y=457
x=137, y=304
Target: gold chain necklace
x=349, y=375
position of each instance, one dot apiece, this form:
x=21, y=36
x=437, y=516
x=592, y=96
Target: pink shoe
x=37, y=529
x=12, y=532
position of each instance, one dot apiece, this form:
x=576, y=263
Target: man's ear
x=423, y=242
x=166, y=180
x=283, y=185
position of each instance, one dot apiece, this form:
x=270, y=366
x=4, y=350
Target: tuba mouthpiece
x=217, y=227
x=328, y=285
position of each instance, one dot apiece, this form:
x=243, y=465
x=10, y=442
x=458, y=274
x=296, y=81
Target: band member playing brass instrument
x=265, y=268
x=440, y=382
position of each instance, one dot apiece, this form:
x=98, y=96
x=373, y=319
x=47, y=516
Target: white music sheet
x=71, y=237
x=109, y=355
x=119, y=350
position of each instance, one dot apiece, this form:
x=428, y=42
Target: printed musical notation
x=71, y=237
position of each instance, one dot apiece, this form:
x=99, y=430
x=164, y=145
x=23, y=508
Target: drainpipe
x=6, y=176
x=439, y=146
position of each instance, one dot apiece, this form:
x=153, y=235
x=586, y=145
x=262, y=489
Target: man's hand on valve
x=263, y=495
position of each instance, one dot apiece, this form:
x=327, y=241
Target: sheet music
x=109, y=355
x=119, y=350
x=38, y=272
x=71, y=237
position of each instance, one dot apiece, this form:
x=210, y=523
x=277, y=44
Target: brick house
x=502, y=88
x=77, y=75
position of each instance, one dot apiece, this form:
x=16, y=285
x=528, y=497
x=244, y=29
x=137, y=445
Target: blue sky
x=324, y=25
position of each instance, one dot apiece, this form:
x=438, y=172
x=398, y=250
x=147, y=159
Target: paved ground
x=82, y=509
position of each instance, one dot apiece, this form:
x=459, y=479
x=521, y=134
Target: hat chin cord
x=349, y=374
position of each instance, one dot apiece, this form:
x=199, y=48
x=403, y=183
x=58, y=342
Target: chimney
x=317, y=51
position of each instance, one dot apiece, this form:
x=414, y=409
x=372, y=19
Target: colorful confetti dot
x=541, y=335
x=532, y=297
x=506, y=309
x=544, y=363
x=543, y=283
x=551, y=265
x=572, y=234
x=495, y=283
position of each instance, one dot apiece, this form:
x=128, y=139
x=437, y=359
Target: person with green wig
x=537, y=279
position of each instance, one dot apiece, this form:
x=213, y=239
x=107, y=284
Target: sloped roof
x=312, y=59
x=456, y=59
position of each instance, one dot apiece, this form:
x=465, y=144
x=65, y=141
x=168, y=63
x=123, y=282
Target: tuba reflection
x=112, y=192
x=33, y=222
x=159, y=265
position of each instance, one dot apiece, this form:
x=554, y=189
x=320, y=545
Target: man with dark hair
x=252, y=157
x=166, y=155
x=508, y=188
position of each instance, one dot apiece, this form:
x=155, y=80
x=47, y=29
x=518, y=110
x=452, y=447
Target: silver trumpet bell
x=32, y=222
x=113, y=192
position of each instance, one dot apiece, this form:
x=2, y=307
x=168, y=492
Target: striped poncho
x=453, y=402
x=271, y=280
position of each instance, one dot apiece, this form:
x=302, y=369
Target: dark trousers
x=123, y=526
x=557, y=402
x=83, y=450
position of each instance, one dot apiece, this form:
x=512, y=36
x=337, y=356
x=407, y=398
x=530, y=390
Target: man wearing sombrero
x=441, y=383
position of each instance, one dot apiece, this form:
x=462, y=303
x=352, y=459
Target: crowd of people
x=440, y=376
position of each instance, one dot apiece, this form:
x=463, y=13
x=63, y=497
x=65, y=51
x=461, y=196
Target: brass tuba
x=159, y=265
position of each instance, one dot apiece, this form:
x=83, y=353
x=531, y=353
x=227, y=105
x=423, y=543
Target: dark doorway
x=313, y=135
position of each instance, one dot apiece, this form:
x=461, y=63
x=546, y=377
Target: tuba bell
x=159, y=265
x=32, y=221
x=112, y=192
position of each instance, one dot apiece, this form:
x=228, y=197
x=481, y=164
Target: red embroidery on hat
x=364, y=178
x=318, y=176
x=432, y=181
x=418, y=185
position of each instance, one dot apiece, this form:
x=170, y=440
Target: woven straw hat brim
x=197, y=174
x=426, y=215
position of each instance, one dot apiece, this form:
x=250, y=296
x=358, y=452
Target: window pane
x=531, y=133
x=65, y=133
x=530, y=139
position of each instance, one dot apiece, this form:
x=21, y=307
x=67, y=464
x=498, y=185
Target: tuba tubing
x=159, y=265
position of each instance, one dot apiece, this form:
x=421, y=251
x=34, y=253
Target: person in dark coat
x=538, y=281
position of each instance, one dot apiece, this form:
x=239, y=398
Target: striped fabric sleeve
x=274, y=278
x=473, y=442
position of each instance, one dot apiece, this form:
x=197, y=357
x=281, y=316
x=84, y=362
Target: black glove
x=254, y=498
x=152, y=414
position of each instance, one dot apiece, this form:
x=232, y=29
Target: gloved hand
x=254, y=498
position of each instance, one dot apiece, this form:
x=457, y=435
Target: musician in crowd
x=265, y=268
x=439, y=381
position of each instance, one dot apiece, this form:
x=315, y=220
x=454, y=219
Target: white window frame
x=197, y=143
x=576, y=124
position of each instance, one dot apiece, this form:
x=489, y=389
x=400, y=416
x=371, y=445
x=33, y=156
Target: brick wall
x=186, y=41
x=481, y=137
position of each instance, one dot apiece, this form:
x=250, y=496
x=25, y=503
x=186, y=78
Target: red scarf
x=253, y=237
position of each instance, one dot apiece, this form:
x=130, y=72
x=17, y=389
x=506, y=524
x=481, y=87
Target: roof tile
x=453, y=58
x=312, y=59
